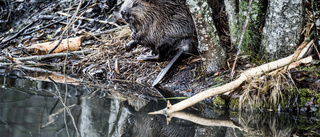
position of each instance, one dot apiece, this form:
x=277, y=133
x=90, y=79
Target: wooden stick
x=250, y=73
x=241, y=38
x=89, y=19
x=41, y=57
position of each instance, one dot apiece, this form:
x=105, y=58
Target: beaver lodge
x=97, y=57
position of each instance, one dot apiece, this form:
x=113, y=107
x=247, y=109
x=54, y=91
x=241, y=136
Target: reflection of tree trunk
x=94, y=110
x=209, y=44
x=283, y=27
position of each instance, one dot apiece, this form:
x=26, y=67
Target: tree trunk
x=283, y=27
x=213, y=54
x=316, y=15
x=231, y=9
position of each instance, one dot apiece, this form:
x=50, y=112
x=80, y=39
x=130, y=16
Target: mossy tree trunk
x=237, y=12
x=232, y=11
x=212, y=52
x=274, y=29
x=283, y=26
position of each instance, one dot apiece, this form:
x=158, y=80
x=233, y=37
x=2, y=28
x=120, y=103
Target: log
x=71, y=44
x=248, y=74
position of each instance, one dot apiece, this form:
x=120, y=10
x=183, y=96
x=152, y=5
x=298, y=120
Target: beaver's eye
x=135, y=4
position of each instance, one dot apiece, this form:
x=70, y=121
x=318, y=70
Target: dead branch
x=89, y=19
x=248, y=74
x=241, y=38
x=42, y=57
x=2, y=45
x=70, y=44
x=71, y=21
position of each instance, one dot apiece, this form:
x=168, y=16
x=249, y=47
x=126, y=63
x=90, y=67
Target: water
x=32, y=108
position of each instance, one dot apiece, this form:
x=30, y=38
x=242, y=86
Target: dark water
x=30, y=108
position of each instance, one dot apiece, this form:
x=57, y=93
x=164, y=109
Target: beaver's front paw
x=134, y=36
x=131, y=44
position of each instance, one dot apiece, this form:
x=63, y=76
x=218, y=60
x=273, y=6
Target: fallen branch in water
x=248, y=74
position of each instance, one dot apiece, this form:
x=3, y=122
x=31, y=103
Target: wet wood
x=71, y=44
x=248, y=74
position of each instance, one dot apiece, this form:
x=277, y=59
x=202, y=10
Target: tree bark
x=231, y=8
x=283, y=27
x=213, y=54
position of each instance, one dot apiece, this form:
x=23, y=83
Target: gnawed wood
x=248, y=74
x=43, y=48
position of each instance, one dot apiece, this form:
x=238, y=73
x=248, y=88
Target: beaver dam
x=97, y=57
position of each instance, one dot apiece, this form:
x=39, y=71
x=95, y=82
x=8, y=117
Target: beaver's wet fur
x=165, y=26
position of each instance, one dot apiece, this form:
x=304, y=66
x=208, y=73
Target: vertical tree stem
x=241, y=37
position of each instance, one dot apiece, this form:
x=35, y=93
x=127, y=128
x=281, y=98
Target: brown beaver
x=165, y=26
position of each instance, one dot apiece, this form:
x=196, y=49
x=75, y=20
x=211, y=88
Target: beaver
x=164, y=26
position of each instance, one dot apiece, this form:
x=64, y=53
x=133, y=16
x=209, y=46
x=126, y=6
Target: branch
x=241, y=38
x=42, y=57
x=15, y=35
x=89, y=19
x=248, y=74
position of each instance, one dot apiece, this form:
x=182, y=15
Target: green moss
x=234, y=103
x=309, y=68
x=315, y=70
x=219, y=112
x=219, y=102
x=303, y=100
x=233, y=114
x=306, y=94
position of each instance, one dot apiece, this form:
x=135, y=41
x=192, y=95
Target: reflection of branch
x=52, y=116
x=204, y=121
x=66, y=108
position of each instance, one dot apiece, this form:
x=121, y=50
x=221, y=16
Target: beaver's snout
x=123, y=13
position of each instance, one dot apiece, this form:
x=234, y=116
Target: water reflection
x=30, y=108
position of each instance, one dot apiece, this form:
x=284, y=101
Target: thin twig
x=67, y=27
x=89, y=19
x=15, y=35
x=65, y=106
x=241, y=37
x=42, y=57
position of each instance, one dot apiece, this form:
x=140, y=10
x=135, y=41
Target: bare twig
x=16, y=35
x=89, y=19
x=42, y=57
x=241, y=37
x=68, y=26
x=66, y=107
